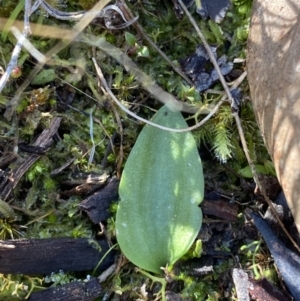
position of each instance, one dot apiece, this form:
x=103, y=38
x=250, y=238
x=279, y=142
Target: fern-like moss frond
x=222, y=143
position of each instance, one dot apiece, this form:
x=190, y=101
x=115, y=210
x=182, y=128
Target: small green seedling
x=158, y=217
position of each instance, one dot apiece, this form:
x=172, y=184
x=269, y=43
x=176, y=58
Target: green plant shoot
x=158, y=217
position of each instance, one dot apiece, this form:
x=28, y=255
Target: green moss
x=18, y=287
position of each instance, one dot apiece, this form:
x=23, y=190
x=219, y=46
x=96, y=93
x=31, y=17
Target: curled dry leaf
x=274, y=77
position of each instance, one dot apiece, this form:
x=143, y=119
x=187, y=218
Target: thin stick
x=104, y=275
x=28, y=46
x=27, y=14
x=239, y=80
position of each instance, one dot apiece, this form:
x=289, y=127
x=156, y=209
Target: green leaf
x=216, y=30
x=6, y=210
x=143, y=51
x=130, y=39
x=270, y=168
x=44, y=77
x=158, y=217
x=247, y=173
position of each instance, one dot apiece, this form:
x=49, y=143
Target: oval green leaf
x=44, y=77
x=158, y=217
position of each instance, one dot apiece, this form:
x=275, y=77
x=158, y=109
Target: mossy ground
x=38, y=207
